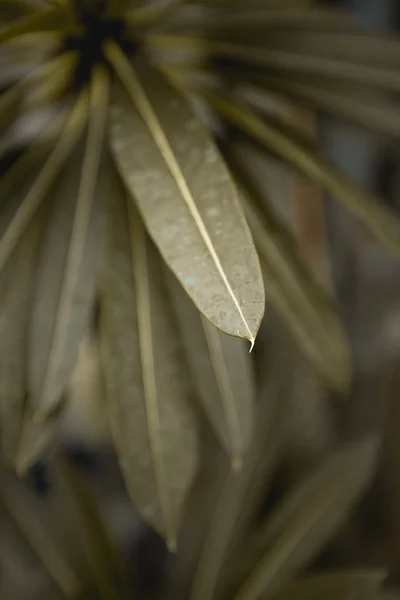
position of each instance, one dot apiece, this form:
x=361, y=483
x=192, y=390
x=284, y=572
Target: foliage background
x=366, y=282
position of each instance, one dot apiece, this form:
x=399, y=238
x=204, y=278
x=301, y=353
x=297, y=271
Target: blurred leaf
x=311, y=514
x=187, y=199
x=67, y=275
x=48, y=20
x=370, y=210
x=242, y=493
x=334, y=585
x=37, y=437
x=222, y=371
x=15, y=302
x=291, y=287
x=41, y=186
x=82, y=510
x=16, y=501
x=148, y=389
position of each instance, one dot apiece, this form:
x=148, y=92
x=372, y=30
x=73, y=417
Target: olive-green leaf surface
x=149, y=392
x=222, y=372
x=355, y=584
x=15, y=303
x=296, y=530
x=380, y=220
x=290, y=286
x=67, y=276
x=16, y=500
x=187, y=199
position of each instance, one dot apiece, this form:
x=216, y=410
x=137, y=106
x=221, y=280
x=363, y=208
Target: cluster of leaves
x=126, y=211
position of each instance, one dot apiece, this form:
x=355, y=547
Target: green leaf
x=71, y=251
x=148, y=389
x=334, y=585
x=291, y=288
x=44, y=181
x=297, y=529
x=187, y=199
x=15, y=303
x=222, y=372
x=380, y=220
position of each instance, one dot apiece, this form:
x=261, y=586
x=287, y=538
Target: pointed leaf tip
x=187, y=198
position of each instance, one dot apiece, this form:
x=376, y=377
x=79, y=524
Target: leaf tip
x=172, y=545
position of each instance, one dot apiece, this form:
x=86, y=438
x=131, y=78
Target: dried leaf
x=222, y=372
x=295, y=531
x=149, y=394
x=70, y=256
x=187, y=199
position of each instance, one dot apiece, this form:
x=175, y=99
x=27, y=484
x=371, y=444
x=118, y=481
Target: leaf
x=379, y=114
x=83, y=515
x=71, y=251
x=334, y=585
x=19, y=506
x=291, y=287
x=149, y=394
x=15, y=303
x=37, y=437
x=187, y=199
x=49, y=20
x=222, y=373
x=297, y=529
x=242, y=493
x=41, y=186
x=370, y=210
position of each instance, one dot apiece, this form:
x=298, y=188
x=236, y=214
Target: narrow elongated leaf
x=42, y=184
x=49, y=20
x=381, y=221
x=379, y=114
x=15, y=303
x=70, y=257
x=83, y=514
x=222, y=372
x=376, y=76
x=153, y=424
x=242, y=493
x=335, y=585
x=187, y=199
x=19, y=506
x=295, y=532
x=38, y=437
x=291, y=288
